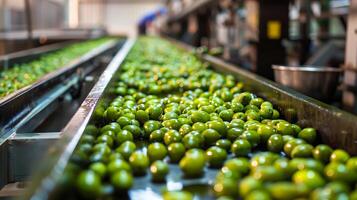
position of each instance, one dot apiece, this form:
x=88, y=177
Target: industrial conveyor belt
x=337, y=128
x=33, y=117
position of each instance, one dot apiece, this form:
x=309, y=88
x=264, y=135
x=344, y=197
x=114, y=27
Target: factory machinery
x=32, y=118
x=50, y=117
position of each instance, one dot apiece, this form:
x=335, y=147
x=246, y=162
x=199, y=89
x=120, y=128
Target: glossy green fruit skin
x=308, y=134
x=215, y=156
x=275, y=143
x=287, y=190
x=159, y=170
x=122, y=180
x=225, y=187
x=322, y=153
x=310, y=178
x=176, y=151
x=156, y=151
x=240, y=165
x=126, y=149
x=259, y=194
x=172, y=136
x=89, y=184
x=118, y=165
x=339, y=155
x=193, y=163
x=224, y=144
x=249, y=184
x=210, y=137
x=139, y=162
x=177, y=195
x=241, y=147
x=175, y=110
x=336, y=171
x=302, y=151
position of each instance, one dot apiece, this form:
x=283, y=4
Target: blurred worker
x=147, y=20
x=227, y=28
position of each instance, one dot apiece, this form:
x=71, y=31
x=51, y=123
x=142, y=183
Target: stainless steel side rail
x=58, y=156
x=18, y=105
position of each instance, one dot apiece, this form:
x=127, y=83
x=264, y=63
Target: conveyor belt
x=24, y=103
x=336, y=127
x=25, y=110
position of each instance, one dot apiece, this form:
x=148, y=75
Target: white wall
x=91, y=14
x=123, y=17
x=119, y=17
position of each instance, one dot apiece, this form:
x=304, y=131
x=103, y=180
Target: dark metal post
x=28, y=22
x=273, y=29
x=304, y=22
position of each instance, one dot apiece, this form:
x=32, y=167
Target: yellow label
x=274, y=30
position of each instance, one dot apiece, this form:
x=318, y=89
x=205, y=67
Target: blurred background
x=305, y=45
x=251, y=34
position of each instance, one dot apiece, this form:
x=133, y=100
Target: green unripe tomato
x=156, y=151
x=215, y=156
x=139, y=162
x=241, y=147
x=193, y=163
x=159, y=170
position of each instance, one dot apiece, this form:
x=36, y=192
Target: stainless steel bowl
x=317, y=82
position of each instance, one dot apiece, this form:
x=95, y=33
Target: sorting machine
x=336, y=127
x=32, y=118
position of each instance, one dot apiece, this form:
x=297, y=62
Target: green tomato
x=308, y=134
x=159, y=170
x=275, y=143
x=156, y=151
x=200, y=116
x=193, y=163
x=142, y=116
x=220, y=127
x=122, y=180
x=240, y=165
x=126, y=149
x=241, y=147
x=89, y=184
x=302, y=151
x=216, y=156
x=118, y=165
x=224, y=144
x=226, y=115
x=210, y=136
x=176, y=151
x=157, y=136
x=252, y=137
x=177, y=195
x=322, y=153
x=234, y=133
x=258, y=194
x=352, y=164
x=310, y=178
x=285, y=128
x=172, y=136
x=123, y=136
x=339, y=155
x=226, y=187
x=265, y=131
x=336, y=171
x=99, y=168
x=139, y=162
x=151, y=126
x=248, y=185
x=288, y=190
